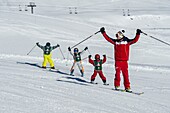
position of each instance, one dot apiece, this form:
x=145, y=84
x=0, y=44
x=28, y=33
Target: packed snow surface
x=26, y=88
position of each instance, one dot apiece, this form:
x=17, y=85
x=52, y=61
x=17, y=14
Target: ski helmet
x=48, y=44
x=97, y=56
x=76, y=50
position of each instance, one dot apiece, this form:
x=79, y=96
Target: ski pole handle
x=31, y=50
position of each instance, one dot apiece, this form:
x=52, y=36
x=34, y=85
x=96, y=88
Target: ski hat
x=48, y=44
x=120, y=34
x=97, y=56
x=76, y=50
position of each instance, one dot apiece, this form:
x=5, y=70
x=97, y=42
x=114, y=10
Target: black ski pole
x=61, y=53
x=156, y=38
x=85, y=39
x=31, y=50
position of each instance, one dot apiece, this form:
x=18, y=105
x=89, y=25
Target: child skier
x=77, y=60
x=47, y=54
x=121, y=53
x=97, y=63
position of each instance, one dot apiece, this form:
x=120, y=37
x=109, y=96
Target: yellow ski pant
x=47, y=58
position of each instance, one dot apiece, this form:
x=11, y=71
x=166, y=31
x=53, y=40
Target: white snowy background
x=25, y=88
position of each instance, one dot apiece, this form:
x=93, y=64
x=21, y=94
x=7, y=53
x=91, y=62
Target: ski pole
x=85, y=39
x=110, y=57
x=85, y=58
x=61, y=53
x=67, y=59
x=89, y=51
x=31, y=50
x=156, y=38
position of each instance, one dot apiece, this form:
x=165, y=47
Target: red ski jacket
x=97, y=63
x=121, y=47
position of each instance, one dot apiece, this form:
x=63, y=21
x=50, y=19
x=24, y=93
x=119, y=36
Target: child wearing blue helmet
x=77, y=60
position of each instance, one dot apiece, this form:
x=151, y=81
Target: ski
x=51, y=70
x=132, y=92
x=93, y=82
x=106, y=84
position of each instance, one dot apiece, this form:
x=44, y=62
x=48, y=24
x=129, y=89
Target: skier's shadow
x=60, y=72
x=78, y=81
x=31, y=64
x=36, y=65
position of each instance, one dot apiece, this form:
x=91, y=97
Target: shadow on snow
x=31, y=64
x=75, y=80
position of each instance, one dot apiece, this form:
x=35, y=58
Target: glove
x=102, y=30
x=104, y=55
x=58, y=45
x=69, y=49
x=138, y=31
x=89, y=56
x=85, y=48
x=37, y=43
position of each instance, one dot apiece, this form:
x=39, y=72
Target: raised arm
x=83, y=50
x=69, y=49
x=90, y=60
x=102, y=30
x=54, y=47
x=132, y=41
x=104, y=59
x=40, y=46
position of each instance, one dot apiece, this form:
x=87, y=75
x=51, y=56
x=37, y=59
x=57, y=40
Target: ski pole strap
x=61, y=53
x=85, y=39
x=31, y=50
x=156, y=39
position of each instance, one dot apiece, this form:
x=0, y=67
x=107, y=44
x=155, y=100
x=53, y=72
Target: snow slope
x=26, y=88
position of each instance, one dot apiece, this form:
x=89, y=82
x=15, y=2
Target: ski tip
x=106, y=84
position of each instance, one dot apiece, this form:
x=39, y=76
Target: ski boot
x=82, y=74
x=53, y=67
x=44, y=67
x=128, y=90
x=92, y=82
x=104, y=83
x=71, y=73
x=117, y=88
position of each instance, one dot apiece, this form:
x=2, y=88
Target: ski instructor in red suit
x=121, y=55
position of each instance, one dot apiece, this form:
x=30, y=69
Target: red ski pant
x=121, y=66
x=100, y=74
